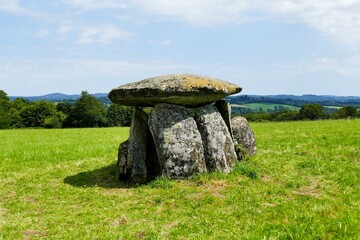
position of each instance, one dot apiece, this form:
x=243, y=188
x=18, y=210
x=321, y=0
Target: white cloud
x=163, y=42
x=96, y=4
x=73, y=75
x=103, y=35
x=14, y=7
x=86, y=34
x=166, y=42
x=100, y=75
x=346, y=67
x=339, y=19
x=42, y=33
x=65, y=28
x=203, y=12
x=9, y=5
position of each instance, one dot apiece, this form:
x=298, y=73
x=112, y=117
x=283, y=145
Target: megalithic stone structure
x=187, y=131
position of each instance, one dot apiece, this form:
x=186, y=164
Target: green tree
x=64, y=107
x=311, y=112
x=284, y=116
x=346, y=112
x=4, y=110
x=17, y=106
x=88, y=111
x=258, y=117
x=55, y=121
x=19, y=103
x=119, y=115
x=35, y=114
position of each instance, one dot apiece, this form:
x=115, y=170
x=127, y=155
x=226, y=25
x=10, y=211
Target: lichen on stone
x=180, y=89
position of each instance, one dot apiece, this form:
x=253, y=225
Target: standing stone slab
x=218, y=145
x=243, y=135
x=178, y=141
x=224, y=109
x=137, y=148
x=152, y=161
x=123, y=167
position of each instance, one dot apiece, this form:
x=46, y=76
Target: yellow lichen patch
x=181, y=89
x=196, y=82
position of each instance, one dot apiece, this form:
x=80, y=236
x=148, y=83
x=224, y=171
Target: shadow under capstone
x=104, y=177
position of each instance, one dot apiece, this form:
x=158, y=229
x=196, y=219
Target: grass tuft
x=246, y=169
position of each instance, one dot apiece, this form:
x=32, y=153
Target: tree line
x=311, y=111
x=87, y=111
x=297, y=101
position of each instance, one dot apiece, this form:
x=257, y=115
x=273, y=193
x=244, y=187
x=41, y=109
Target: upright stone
x=137, y=149
x=218, y=145
x=123, y=167
x=224, y=109
x=177, y=140
x=152, y=161
x=243, y=135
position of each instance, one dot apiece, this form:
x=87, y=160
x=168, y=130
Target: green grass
x=264, y=106
x=304, y=183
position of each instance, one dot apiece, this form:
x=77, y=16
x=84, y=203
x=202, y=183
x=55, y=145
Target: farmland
x=302, y=184
x=264, y=106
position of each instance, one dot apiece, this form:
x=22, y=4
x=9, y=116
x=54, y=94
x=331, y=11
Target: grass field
x=304, y=183
x=264, y=106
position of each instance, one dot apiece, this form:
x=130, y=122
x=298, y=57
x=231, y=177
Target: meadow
x=303, y=183
x=265, y=106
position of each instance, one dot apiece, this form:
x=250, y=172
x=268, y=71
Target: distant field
x=304, y=183
x=264, y=106
x=334, y=107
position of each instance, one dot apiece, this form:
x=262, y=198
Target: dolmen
x=181, y=126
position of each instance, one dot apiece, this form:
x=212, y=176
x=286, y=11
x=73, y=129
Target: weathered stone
x=243, y=135
x=181, y=89
x=137, y=148
x=152, y=161
x=123, y=168
x=224, y=109
x=137, y=157
x=177, y=140
x=218, y=145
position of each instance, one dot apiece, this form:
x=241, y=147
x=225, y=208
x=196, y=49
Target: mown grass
x=304, y=183
x=265, y=106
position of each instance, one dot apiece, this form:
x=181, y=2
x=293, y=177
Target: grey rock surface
x=181, y=89
x=224, y=109
x=218, y=144
x=137, y=147
x=152, y=161
x=177, y=140
x=242, y=134
x=123, y=167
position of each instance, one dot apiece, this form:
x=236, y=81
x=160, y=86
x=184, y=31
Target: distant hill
x=324, y=100
x=312, y=98
x=282, y=99
x=57, y=97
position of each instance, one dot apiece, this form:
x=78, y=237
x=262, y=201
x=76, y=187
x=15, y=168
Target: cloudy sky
x=265, y=46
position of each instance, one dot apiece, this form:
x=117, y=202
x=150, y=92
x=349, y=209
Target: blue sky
x=265, y=46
